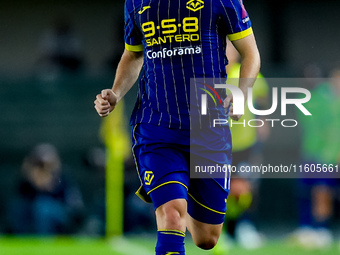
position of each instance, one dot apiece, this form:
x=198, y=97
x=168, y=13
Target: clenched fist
x=105, y=102
x=228, y=102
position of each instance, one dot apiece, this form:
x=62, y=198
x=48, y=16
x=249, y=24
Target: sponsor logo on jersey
x=179, y=51
x=148, y=177
x=195, y=5
x=143, y=9
x=245, y=17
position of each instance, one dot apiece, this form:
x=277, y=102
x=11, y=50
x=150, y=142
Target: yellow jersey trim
x=172, y=230
x=206, y=206
x=240, y=35
x=135, y=48
x=138, y=193
x=165, y=184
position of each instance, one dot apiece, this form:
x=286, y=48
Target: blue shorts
x=162, y=157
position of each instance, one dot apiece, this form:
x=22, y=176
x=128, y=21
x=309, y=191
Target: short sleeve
x=132, y=35
x=236, y=19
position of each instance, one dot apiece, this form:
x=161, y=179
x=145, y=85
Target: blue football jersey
x=181, y=40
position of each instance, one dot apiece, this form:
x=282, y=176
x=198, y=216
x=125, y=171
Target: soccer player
x=169, y=43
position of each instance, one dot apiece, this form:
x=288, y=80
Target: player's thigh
x=208, y=190
x=161, y=163
x=169, y=196
x=206, y=210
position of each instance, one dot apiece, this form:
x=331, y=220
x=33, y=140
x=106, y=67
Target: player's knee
x=172, y=214
x=207, y=243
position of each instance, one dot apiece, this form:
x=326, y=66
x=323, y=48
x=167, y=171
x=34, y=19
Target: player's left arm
x=250, y=67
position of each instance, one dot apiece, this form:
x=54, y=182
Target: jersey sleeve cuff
x=135, y=48
x=240, y=35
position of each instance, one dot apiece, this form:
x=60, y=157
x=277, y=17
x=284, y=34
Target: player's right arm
x=127, y=73
x=128, y=68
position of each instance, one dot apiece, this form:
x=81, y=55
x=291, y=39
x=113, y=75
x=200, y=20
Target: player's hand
x=228, y=102
x=105, y=102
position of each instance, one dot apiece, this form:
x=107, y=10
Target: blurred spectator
x=46, y=202
x=60, y=49
x=95, y=160
x=320, y=145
